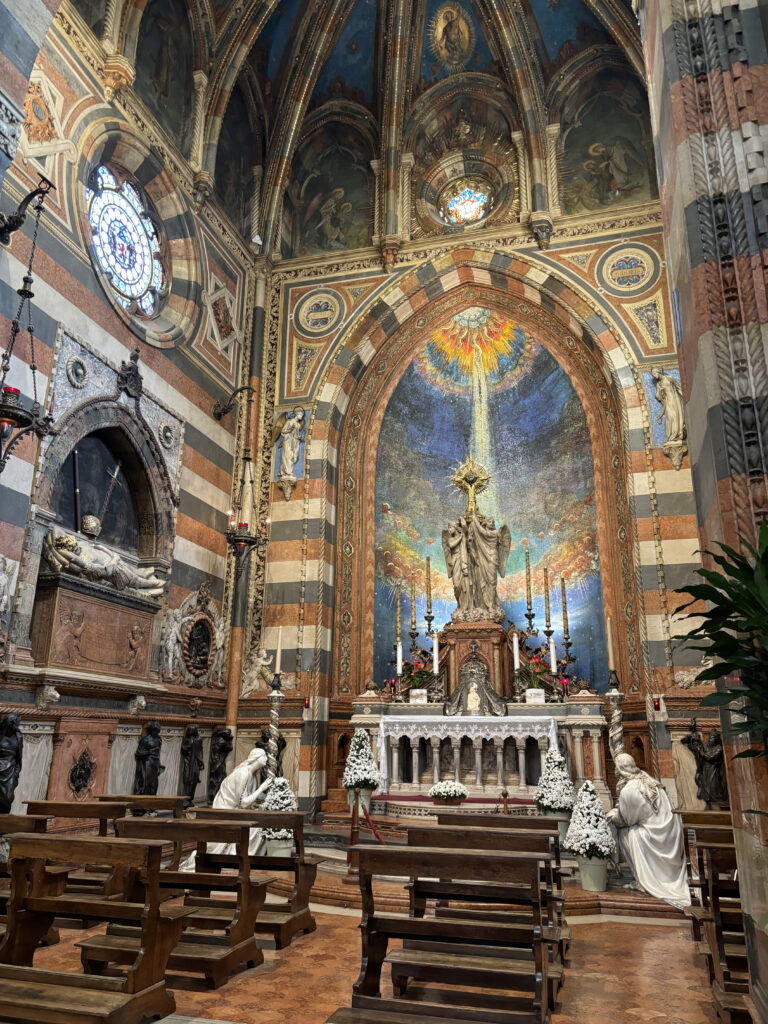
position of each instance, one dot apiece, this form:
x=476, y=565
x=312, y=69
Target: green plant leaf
x=750, y=752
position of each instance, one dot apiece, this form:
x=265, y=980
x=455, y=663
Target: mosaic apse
x=482, y=385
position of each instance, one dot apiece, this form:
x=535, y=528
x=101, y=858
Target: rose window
x=126, y=242
x=466, y=201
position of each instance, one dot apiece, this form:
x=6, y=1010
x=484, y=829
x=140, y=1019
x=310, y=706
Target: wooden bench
x=200, y=950
x=700, y=911
x=140, y=805
x=724, y=935
x=555, y=934
x=546, y=823
x=695, y=838
x=525, y=980
x=9, y=825
x=281, y=918
x=38, y=866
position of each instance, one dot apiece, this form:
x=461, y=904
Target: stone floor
x=625, y=971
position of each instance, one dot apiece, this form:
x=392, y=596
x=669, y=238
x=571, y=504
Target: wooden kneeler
x=38, y=877
x=218, y=932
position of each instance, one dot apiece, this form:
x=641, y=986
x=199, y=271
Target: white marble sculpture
x=6, y=587
x=240, y=790
x=648, y=835
x=669, y=395
x=68, y=553
x=288, y=433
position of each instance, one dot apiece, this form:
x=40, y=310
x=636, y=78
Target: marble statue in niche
x=221, y=747
x=192, y=763
x=11, y=752
x=474, y=695
x=288, y=433
x=65, y=552
x=148, y=767
x=710, y=776
x=669, y=395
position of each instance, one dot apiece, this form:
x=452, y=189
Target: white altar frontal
x=418, y=745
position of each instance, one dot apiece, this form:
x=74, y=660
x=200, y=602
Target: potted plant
x=361, y=771
x=732, y=631
x=589, y=837
x=448, y=792
x=279, y=798
x=537, y=667
x=555, y=793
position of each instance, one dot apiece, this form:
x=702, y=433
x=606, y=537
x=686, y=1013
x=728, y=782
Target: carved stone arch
x=372, y=355
x=144, y=468
x=576, y=71
x=343, y=112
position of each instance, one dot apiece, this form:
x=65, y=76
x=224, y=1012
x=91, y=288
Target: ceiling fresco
x=482, y=385
x=349, y=71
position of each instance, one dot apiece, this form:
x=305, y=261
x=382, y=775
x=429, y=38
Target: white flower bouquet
x=555, y=791
x=361, y=770
x=448, y=790
x=589, y=834
x=280, y=798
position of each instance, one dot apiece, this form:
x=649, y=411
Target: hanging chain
x=25, y=295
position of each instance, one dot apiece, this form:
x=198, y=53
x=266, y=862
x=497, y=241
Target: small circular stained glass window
x=126, y=242
x=465, y=201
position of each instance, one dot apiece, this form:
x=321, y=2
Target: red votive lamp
x=657, y=703
x=306, y=702
x=11, y=398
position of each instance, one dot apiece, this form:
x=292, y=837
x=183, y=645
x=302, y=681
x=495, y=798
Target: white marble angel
x=6, y=587
x=256, y=674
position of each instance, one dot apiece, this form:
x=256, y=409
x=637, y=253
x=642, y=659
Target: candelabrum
x=518, y=688
x=413, y=634
x=275, y=699
x=531, y=631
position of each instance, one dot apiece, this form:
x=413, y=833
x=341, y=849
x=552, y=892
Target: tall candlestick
x=435, y=655
x=429, y=588
x=527, y=579
x=399, y=658
x=609, y=642
x=278, y=655
x=515, y=651
x=413, y=601
x=546, y=596
x=397, y=620
x=565, y=606
x=552, y=656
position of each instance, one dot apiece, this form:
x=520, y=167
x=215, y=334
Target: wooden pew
x=104, y=812
x=200, y=950
x=280, y=919
x=38, y=876
x=506, y=878
x=142, y=804
x=695, y=839
x=711, y=819
x=9, y=825
x=90, y=878
x=555, y=934
x=725, y=937
x=547, y=823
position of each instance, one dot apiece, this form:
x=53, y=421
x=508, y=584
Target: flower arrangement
x=555, y=791
x=417, y=673
x=280, y=798
x=448, y=790
x=589, y=834
x=361, y=770
x=537, y=668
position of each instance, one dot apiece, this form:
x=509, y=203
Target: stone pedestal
x=86, y=743
x=492, y=650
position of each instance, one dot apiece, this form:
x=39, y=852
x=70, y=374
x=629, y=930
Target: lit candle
x=609, y=642
x=429, y=588
x=397, y=626
x=528, y=579
x=413, y=602
x=399, y=658
x=278, y=656
x=515, y=651
x=565, y=607
x=435, y=655
x=552, y=656
x=546, y=596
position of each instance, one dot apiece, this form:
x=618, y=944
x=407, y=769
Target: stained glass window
x=465, y=201
x=126, y=243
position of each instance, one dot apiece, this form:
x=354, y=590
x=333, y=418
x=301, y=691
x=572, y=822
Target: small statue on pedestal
x=474, y=695
x=148, y=767
x=710, y=775
x=192, y=764
x=221, y=747
x=11, y=749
